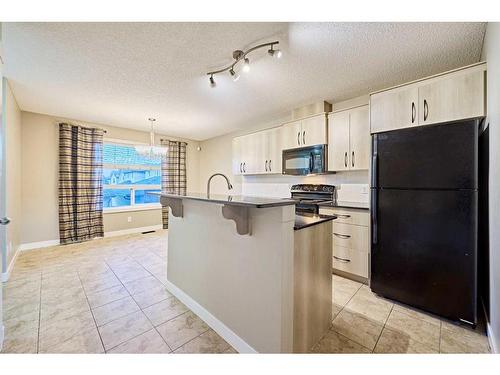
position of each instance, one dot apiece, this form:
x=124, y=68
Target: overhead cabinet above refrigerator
x=451, y=96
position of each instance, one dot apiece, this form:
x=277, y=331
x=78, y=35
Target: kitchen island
x=237, y=262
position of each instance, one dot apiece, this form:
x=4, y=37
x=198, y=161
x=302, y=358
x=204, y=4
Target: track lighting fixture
x=240, y=55
x=234, y=75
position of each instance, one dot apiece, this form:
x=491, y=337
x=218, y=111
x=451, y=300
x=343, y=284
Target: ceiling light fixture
x=240, y=55
x=151, y=151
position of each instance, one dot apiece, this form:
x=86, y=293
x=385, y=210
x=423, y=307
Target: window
x=128, y=177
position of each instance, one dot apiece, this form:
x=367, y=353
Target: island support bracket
x=240, y=215
x=174, y=204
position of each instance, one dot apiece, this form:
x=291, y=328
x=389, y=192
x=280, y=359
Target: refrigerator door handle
x=373, y=212
x=374, y=170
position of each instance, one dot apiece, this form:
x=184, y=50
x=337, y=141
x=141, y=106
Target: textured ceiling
x=122, y=73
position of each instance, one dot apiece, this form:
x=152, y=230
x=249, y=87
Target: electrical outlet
x=129, y=219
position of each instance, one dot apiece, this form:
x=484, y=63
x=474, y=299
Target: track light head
x=234, y=75
x=246, y=65
x=212, y=81
x=274, y=52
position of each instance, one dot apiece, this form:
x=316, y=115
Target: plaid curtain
x=173, y=172
x=80, y=183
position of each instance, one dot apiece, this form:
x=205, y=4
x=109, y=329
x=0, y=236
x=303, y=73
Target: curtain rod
x=166, y=139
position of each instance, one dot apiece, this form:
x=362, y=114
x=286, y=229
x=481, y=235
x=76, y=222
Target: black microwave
x=305, y=160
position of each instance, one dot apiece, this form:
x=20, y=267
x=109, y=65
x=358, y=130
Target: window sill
x=137, y=207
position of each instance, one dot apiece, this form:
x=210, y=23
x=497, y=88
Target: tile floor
x=107, y=296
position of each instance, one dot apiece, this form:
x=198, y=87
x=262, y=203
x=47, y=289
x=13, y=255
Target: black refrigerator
x=424, y=214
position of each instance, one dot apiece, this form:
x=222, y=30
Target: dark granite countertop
x=306, y=220
x=235, y=200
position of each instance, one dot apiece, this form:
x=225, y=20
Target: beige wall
x=491, y=53
x=13, y=169
x=40, y=178
x=216, y=154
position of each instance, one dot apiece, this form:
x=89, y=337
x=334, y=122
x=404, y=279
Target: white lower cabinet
x=351, y=240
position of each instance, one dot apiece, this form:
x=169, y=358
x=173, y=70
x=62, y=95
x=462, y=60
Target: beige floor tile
x=370, y=305
x=417, y=329
x=63, y=310
x=24, y=307
x=165, y=310
x=87, y=342
x=208, y=342
x=23, y=342
x=398, y=342
x=335, y=310
x=456, y=339
x=149, y=342
x=21, y=287
x=417, y=314
x=151, y=296
x=143, y=285
x=55, y=332
x=114, y=310
x=357, y=328
x=100, y=283
x=178, y=331
x=106, y=296
x=343, y=289
x=334, y=342
x=55, y=296
x=123, y=329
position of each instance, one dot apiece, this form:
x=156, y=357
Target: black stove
x=308, y=196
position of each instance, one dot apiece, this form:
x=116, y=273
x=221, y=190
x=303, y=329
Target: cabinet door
x=394, y=109
x=260, y=146
x=291, y=135
x=246, y=154
x=359, y=138
x=459, y=96
x=274, y=150
x=338, y=141
x=236, y=158
x=314, y=131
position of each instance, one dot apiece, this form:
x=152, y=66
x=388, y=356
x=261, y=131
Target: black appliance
x=424, y=215
x=309, y=196
x=305, y=160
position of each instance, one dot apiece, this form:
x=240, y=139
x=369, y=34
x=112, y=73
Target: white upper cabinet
x=452, y=96
x=349, y=140
x=459, y=96
x=394, y=109
x=306, y=132
x=338, y=141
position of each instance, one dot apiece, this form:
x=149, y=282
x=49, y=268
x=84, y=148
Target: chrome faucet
x=229, y=186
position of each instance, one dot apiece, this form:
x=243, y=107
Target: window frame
x=132, y=187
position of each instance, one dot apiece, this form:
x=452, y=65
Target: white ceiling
x=122, y=73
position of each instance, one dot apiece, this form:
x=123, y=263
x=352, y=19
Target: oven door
x=304, y=161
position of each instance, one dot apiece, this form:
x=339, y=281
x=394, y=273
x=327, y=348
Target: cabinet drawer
x=352, y=236
x=348, y=215
x=349, y=260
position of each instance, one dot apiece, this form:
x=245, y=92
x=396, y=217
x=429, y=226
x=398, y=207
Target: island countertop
x=234, y=200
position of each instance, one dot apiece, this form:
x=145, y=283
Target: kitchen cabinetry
x=349, y=140
x=257, y=153
x=351, y=240
x=306, y=132
x=451, y=96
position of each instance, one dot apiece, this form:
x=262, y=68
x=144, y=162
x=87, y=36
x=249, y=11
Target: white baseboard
x=133, y=230
x=38, y=245
x=2, y=330
x=225, y=332
x=491, y=339
x=6, y=274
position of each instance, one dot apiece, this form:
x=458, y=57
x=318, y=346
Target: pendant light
x=151, y=151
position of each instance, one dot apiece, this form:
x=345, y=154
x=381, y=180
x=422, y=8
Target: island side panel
x=246, y=282
x=312, y=285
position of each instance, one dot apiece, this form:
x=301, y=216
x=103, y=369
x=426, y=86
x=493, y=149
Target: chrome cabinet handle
x=269, y=165
x=426, y=110
x=244, y=167
x=352, y=161
x=241, y=167
x=304, y=137
x=413, y=112
x=342, y=259
x=266, y=165
x=343, y=216
x=345, y=159
x=4, y=220
x=298, y=138
x=343, y=236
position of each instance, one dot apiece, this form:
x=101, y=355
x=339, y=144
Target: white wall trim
x=38, y=245
x=2, y=330
x=6, y=274
x=133, y=230
x=225, y=332
x=491, y=339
